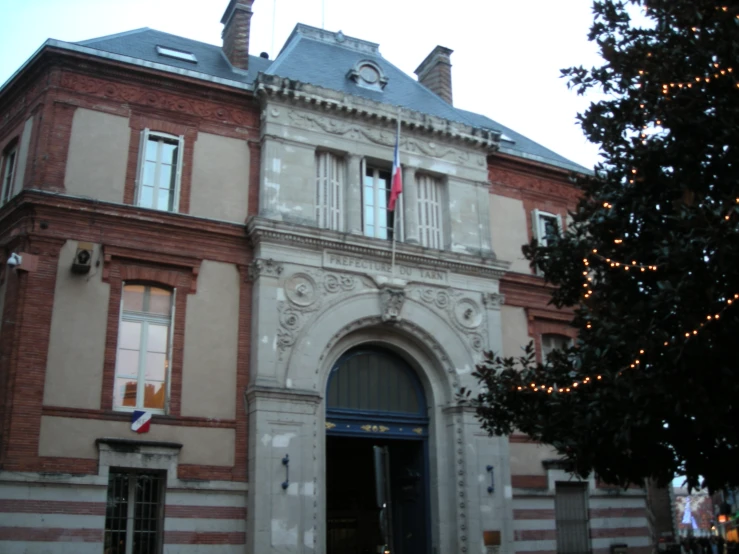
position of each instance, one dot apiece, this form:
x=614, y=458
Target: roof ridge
x=89, y=41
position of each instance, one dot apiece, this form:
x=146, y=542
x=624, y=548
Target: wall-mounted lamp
x=286, y=463
x=491, y=487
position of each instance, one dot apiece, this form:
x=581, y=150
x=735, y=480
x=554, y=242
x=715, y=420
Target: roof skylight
x=177, y=54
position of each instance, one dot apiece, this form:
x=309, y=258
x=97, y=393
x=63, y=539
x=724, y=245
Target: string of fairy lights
x=637, y=361
x=715, y=72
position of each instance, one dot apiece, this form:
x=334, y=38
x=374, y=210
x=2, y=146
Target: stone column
x=410, y=205
x=353, y=196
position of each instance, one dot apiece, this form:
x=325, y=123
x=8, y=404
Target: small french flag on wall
x=140, y=421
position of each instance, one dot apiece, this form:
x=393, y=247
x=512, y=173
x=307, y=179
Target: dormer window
x=177, y=54
x=368, y=74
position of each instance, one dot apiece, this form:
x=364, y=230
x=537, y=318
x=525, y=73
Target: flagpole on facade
x=395, y=223
x=395, y=207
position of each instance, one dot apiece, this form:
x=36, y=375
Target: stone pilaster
x=410, y=205
x=353, y=195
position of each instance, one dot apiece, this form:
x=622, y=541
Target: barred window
x=330, y=173
x=134, y=512
x=571, y=516
x=430, y=228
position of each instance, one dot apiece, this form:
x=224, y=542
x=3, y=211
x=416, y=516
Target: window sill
x=157, y=419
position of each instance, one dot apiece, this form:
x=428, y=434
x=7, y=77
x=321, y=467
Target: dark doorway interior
x=353, y=525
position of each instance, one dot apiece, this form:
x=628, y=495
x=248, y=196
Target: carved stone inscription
x=373, y=267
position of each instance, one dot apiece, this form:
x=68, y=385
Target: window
x=177, y=54
x=8, y=173
x=378, y=222
x=571, y=517
x=134, y=512
x=545, y=226
x=330, y=173
x=368, y=74
x=160, y=165
x=144, y=347
x=429, y=211
x=551, y=342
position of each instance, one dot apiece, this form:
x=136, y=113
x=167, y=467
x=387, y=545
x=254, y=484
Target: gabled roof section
x=325, y=59
x=142, y=44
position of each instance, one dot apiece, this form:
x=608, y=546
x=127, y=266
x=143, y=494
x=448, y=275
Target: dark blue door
x=375, y=401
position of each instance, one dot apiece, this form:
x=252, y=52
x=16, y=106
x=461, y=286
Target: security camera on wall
x=14, y=260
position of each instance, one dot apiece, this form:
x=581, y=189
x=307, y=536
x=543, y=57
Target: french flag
x=397, y=178
x=140, y=421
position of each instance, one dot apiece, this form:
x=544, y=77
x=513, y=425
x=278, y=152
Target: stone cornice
x=299, y=93
x=266, y=231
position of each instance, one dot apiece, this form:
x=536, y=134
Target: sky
x=506, y=61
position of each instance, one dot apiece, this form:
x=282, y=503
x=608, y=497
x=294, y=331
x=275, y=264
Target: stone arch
x=428, y=342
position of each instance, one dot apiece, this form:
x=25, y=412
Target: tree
x=650, y=262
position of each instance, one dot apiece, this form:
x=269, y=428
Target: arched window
x=144, y=348
x=377, y=382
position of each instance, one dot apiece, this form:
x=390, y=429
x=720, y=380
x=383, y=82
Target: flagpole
x=395, y=210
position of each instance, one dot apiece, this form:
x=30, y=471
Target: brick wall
x=134, y=240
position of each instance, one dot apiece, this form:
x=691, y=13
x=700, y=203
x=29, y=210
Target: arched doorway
x=376, y=456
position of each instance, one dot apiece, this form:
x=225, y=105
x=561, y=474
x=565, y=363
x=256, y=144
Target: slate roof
x=321, y=58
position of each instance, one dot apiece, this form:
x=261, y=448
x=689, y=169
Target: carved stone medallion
x=467, y=313
x=301, y=289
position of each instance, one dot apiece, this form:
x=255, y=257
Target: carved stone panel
x=463, y=312
x=392, y=303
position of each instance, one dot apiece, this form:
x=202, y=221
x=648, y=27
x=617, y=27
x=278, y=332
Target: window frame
x=7, y=185
x=147, y=135
x=425, y=182
x=330, y=186
x=544, y=351
x=132, y=477
x=397, y=216
x=143, y=338
x=539, y=218
x=583, y=525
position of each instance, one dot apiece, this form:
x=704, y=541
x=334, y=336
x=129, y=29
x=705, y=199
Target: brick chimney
x=435, y=73
x=236, y=23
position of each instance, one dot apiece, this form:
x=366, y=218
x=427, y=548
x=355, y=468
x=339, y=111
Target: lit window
x=8, y=172
x=378, y=221
x=429, y=211
x=134, y=513
x=330, y=173
x=177, y=54
x=144, y=346
x=552, y=342
x=159, y=171
x=571, y=518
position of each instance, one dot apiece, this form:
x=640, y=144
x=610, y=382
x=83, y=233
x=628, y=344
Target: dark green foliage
x=668, y=188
